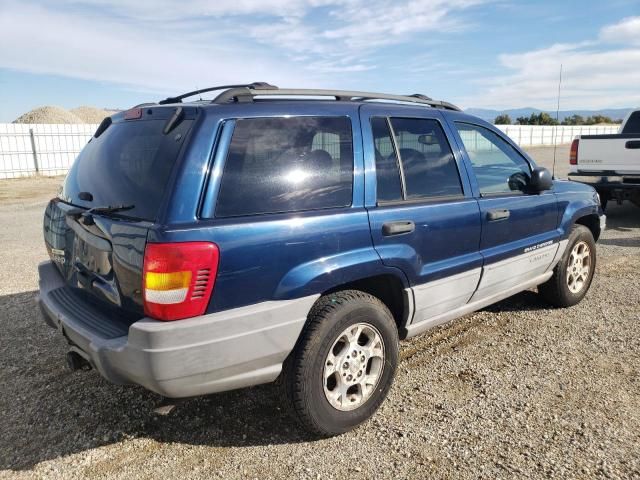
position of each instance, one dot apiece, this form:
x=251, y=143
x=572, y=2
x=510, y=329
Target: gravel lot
x=516, y=390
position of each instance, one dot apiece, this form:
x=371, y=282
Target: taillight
x=573, y=153
x=178, y=279
x=133, y=114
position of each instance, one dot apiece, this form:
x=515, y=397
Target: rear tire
x=330, y=390
x=573, y=275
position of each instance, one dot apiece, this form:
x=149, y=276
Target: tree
x=573, y=120
x=503, y=119
x=595, y=119
x=542, y=118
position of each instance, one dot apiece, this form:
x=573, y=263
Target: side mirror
x=541, y=180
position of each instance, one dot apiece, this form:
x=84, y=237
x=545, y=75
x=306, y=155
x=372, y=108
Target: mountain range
x=489, y=115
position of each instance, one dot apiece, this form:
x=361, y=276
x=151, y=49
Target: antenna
x=555, y=130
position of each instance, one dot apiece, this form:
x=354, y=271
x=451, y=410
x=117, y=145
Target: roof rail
x=252, y=86
x=246, y=93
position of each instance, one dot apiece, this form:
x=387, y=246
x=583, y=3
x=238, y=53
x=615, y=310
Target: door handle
x=398, y=228
x=495, y=215
x=632, y=144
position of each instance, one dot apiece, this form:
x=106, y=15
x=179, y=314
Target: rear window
x=128, y=164
x=633, y=123
x=291, y=164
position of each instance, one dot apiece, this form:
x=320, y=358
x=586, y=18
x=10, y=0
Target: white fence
x=539, y=135
x=40, y=148
x=50, y=149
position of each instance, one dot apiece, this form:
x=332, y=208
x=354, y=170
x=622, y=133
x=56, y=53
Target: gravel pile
x=518, y=390
x=52, y=114
x=48, y=114
x=91, y=114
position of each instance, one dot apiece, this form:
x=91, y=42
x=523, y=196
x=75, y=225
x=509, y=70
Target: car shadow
x=620, y=242
x=622, y=217
x=49, y=411
x=523, y=301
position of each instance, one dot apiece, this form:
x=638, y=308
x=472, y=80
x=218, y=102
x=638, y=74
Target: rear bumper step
x=211, y=353
x=606, y=182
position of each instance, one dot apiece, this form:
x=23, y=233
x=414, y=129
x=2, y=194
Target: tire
x=566, y=287
x=604, y=199
x=310, y=395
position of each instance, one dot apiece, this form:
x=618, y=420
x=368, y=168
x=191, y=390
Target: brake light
x=573, y=153
x=178, y=279
x=133, y=113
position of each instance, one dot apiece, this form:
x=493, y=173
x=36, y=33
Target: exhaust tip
x=76, y=362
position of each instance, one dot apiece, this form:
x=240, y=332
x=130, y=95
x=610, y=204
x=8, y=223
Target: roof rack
x=246, y=93
x=252, y=86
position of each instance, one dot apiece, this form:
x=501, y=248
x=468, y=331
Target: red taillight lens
x=133, y=114
x=573, y=153
x=178, y=279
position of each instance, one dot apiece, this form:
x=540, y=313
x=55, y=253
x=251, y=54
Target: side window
x=287, y=165
x=387, y=174
x=428, y=164
x=497, y=166
x=633, y=123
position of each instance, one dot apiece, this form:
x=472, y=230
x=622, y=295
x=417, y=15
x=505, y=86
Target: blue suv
x=198, y=247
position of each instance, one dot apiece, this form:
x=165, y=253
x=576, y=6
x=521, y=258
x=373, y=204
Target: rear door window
x=413, y=160
x=389, y=184
x=277, y=165
x=428, y=164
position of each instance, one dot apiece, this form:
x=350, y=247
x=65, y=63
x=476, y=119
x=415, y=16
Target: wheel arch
x=592, y=222
x=390, y=289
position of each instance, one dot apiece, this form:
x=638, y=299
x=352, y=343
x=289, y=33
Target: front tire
x=604, y=199
x=344, y=363
x=573, y=275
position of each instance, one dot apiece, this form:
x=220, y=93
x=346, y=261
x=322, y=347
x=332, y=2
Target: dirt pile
x=53, y=114
x=91, y=114
x=48, y=114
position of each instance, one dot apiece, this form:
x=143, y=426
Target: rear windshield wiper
x=109, y=209
x=87, y=215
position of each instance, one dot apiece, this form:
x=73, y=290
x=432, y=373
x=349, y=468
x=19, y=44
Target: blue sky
x=476, y=53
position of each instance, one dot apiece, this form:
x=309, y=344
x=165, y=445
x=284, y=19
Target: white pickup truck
x=610, y=163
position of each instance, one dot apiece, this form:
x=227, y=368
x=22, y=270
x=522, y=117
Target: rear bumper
x=607, y=181
x=212, y=353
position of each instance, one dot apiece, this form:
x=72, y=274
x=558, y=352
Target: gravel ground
x=516, y=390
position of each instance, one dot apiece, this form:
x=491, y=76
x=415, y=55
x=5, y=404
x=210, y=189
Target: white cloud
x=596, y=74
x=166, y=57
x=626, y=32
x=359, y=26
x=167, y=10
x=375, y=23
x=166, y=45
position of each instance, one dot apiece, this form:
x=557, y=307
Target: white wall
x=56, y=146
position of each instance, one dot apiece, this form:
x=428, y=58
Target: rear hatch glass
x=128, y=164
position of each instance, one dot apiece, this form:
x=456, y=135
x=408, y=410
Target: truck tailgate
x=604, y=153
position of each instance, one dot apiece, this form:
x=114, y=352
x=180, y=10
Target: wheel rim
x=353, y=366
x=578, y=267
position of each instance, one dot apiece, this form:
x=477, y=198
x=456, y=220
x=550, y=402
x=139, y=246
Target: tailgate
x=101, y=261
x=602, y=153
x=96, y=230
